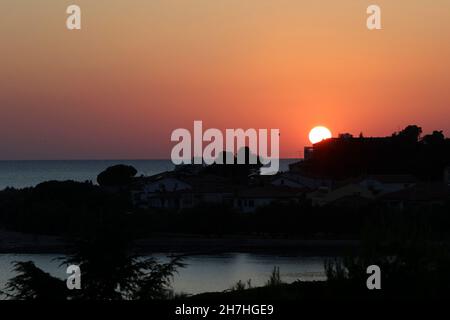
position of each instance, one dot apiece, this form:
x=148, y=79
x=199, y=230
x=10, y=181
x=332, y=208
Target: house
x=160, y=191
x=423, y=195
x=248, y=200
x=166, y=184
x=361, y=190
x=301, y=180
x=325, y=196
x=387, y=183
x=174, y=191
x=209, y=189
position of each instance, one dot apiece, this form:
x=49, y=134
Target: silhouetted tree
x=31, y=283
x=116, y=175
x=410, y=133
x=236, y=172
x=109, y=271
x=437, y=137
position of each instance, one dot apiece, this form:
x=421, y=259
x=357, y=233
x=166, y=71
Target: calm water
x=203, y=273
x=20, y=174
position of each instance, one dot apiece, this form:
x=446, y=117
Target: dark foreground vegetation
x=415, y=269
x=111, y=270
x=73, y=210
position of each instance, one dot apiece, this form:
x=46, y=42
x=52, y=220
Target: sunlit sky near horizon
x=139, y=69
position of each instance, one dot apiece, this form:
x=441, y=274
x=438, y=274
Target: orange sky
x=140, y=69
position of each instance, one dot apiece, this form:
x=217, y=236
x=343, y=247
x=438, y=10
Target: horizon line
x=139, y=159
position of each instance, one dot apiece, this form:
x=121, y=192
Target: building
x=288, y=180
x=386, y=183
x=173, y=191
x=361, y=190
x=209, y=190
x=308, y=152
x=161, y=191
x=248, y=200
x=301, y=180
x=326, y=196
x=421, y=195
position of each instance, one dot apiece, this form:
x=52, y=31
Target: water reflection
x=203, y=273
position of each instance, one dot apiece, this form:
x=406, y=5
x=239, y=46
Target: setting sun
x=318, y=134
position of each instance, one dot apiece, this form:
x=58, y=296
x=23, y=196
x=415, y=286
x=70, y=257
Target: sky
x=138, y=69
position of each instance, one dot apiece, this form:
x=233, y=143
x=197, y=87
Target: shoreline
x=21, y=243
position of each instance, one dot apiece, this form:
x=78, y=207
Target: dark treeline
x=404, y=152
x=302, y=221
x=76, y=209
x=60, y=208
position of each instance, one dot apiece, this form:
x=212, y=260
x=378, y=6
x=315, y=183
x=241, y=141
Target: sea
x=22, y=174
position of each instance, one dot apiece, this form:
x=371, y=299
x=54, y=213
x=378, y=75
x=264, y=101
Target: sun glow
x=318, y=134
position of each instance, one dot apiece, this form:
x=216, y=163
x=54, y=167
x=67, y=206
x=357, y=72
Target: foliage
x=110, y=270
x=414, y=266
x=240, y=285
x=31, y=283
x=117, y=175
x=65, y=208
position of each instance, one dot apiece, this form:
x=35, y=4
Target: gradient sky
x=140, y=68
